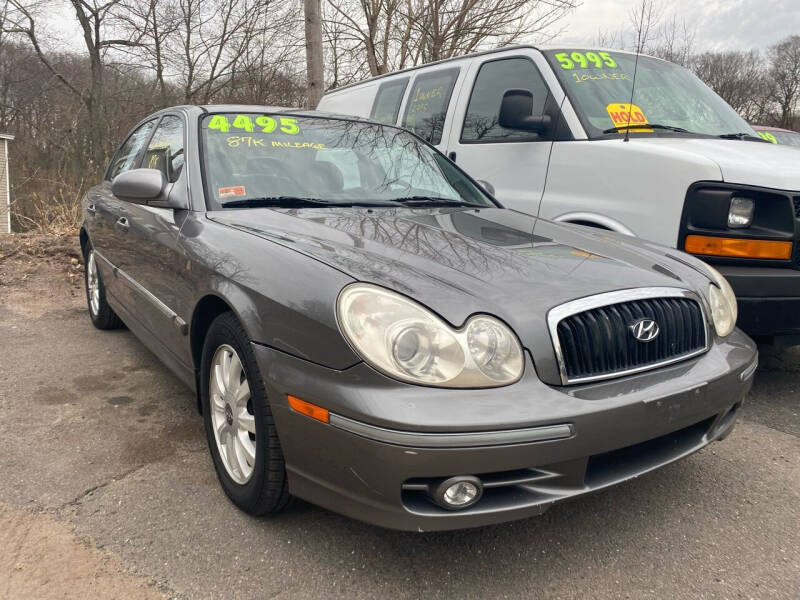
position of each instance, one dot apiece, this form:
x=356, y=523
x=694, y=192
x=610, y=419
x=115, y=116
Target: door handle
x=123, y=224
x=452, y=156
x=90, y=208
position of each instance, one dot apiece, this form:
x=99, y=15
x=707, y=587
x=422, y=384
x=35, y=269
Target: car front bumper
x=768, y=298
x=530, y=444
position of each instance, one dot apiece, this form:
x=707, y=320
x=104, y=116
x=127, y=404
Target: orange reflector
x=308, y=409
x=717, y=246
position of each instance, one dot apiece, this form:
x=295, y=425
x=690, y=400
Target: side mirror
x=516, y=112
x=140, y=185
x=486, y=186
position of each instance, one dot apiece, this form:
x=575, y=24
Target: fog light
x=458, y=492
x=740, y=214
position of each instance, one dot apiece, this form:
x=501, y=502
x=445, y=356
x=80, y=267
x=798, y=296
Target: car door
x=514, y=162
x=151, y=260
x=105, y=211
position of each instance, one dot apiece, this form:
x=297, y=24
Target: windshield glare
x=599, y=86
x=256, y=155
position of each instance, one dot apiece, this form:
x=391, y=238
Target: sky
x=720, y=24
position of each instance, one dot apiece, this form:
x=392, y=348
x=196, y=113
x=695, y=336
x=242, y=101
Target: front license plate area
x=681, y=407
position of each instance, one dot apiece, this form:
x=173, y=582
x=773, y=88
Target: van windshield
x=598, y=84
x=284, y=159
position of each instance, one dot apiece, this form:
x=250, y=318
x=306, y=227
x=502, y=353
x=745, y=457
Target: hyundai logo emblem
x=645, y=330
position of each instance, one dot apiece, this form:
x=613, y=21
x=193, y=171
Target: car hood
x=459, y=262
x=742, y=161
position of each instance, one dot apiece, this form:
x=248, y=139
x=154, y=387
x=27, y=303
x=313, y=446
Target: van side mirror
x=144, y=186
x=516, y=112
x=486, y=186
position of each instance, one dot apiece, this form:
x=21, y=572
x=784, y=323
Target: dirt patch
x=40, y=273
x=41, y=558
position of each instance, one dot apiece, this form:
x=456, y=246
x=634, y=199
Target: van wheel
x=239, y=426
x=102, y=315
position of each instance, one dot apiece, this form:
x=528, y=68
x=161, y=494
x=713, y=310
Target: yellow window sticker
x=262, y=123
x=620, y=113
x=768, y=136
x=296, y=145
x=585, y=60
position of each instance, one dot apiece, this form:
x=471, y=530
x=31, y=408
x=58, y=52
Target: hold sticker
x=619, y=114
x=230, y=192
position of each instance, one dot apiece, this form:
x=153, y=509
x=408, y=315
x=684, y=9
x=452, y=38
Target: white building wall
x=5, y=212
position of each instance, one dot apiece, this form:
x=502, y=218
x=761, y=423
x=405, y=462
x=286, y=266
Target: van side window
x=483, y=112
x=387, y=101
x=427, y=103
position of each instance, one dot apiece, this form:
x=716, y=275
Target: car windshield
x=668, y=96
x=252, y=158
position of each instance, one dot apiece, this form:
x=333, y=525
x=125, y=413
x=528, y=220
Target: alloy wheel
x=232, y=414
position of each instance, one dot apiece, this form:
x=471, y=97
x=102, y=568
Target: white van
x=544, y=130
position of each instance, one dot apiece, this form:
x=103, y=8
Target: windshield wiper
x=646, y=126
x=298, y=202
x=741, y=136
x=433, y=201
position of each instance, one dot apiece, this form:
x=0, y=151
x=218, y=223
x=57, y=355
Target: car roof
x=236, y=108
x=485, y=53
x=768, y=128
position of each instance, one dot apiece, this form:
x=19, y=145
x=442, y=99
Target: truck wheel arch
x=594, y=220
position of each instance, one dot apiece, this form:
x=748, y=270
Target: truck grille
x=600, y=342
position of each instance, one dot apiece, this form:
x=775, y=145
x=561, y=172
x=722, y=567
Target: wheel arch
x=207, y=308
x=590, y=219
x=83, y=236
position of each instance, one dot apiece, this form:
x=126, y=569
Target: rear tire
x=102, y=315
x=240, y=430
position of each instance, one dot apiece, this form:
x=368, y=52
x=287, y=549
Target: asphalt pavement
x=104, y=471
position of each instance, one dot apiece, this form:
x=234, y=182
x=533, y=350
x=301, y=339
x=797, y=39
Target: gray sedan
x=366, y=328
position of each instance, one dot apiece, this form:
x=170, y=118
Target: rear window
x=426, y=107
x=387, y=101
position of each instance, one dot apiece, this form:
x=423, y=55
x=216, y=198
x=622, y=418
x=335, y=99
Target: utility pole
x=314, y=66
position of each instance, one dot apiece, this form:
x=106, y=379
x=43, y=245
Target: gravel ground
x=108, y=491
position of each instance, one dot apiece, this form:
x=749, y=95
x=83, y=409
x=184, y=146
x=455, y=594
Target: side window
x=165, y=151
x=126, y=157
x=426, y=107
x=494, y=79
x=387, y=101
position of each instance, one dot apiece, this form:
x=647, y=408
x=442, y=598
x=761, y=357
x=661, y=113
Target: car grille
x=796, y=203
x=599, y=343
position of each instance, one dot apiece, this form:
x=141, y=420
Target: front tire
x=238, y=421
x=102, y=315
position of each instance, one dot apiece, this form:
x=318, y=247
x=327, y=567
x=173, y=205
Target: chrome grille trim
x=558, y=313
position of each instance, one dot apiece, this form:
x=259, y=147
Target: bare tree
x=154, y=22
x=785, y=72
x=393, y=34
x=98, y=38
x=740, y=79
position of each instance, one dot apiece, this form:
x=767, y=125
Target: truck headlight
x=724, y=309
x=740, y=213
x=405, y=340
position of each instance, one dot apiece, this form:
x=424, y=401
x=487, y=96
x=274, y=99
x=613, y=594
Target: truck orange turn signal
x=740, y=248
x=308, y=409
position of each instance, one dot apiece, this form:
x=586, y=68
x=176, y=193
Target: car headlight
x=724, y=309
x=406, y=341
